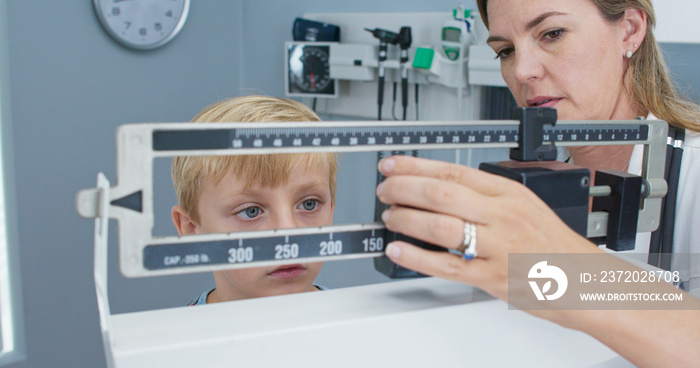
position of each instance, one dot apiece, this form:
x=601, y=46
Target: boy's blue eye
x=309, y=204
x=250, y=212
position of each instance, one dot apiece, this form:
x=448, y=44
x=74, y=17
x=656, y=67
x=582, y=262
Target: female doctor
x=591, y=60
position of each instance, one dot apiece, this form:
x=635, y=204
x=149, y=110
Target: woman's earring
x=635, y=46
x=629, y=54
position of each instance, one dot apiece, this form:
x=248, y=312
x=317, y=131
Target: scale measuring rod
x=130, y=201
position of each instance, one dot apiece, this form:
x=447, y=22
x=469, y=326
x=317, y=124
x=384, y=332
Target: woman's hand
x=432, y=201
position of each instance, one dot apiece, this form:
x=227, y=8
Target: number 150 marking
x=373, y=244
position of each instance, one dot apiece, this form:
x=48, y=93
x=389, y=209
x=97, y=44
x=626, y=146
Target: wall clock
x=142, y=24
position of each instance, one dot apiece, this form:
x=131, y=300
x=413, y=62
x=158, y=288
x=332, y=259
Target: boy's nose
x=285, y=220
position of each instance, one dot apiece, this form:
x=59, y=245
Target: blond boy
x=221, y=194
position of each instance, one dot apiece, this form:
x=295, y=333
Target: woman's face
x=562, y=54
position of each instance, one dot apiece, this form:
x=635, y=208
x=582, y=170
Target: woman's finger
x=477, y=180
x=439, y=264
x=441, y=230
x=436, y=195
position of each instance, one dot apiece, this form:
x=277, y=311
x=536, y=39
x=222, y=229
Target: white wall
x=677, y=21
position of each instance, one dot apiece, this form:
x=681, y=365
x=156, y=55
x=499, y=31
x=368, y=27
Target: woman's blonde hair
x=189, y=172
x=652, y=87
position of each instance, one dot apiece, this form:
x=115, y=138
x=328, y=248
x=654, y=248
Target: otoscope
x=404, y=44
x=385, y=38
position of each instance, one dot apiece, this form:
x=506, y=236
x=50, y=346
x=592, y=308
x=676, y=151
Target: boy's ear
x=183, y=223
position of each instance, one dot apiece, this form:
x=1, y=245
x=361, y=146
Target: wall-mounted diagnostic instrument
x=307, y=70
x=312, y=31
x=385, y=38
x=456, y=34
x=388, y=49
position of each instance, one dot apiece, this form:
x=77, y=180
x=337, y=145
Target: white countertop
x=416, y=323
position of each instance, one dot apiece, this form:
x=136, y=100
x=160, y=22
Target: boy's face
x=304, y=201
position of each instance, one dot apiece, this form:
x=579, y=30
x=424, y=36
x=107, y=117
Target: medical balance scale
x=419, y=322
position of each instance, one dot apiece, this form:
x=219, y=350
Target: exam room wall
x=71, y=86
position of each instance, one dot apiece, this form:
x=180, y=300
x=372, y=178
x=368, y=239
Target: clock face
x=308, y=70
x=142, y=24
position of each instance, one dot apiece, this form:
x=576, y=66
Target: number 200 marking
x=331, y=247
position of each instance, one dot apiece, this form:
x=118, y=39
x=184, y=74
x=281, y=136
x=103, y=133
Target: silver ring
x=467, y=237
x=468, y=248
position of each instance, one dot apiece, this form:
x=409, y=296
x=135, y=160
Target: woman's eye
x=552, y=35
x=309, y=204
x=250, y=212
x=504, y=53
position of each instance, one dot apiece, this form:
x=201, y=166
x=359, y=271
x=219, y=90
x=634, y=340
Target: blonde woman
x=591, y=60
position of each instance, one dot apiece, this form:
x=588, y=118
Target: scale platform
x=417, y=323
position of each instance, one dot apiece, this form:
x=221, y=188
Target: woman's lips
x=543, y=101
x=287, y=271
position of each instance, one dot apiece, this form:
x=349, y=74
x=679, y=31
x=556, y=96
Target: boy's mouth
x=287, y=271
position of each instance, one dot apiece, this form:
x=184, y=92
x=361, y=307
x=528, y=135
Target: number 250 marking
x=286, y=251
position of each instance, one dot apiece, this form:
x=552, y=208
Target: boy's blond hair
x=189, y=172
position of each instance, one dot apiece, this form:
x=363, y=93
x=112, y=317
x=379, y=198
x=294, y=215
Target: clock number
x=142, y=27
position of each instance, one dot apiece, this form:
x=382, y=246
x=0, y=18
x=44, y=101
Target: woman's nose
x=528, y=66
